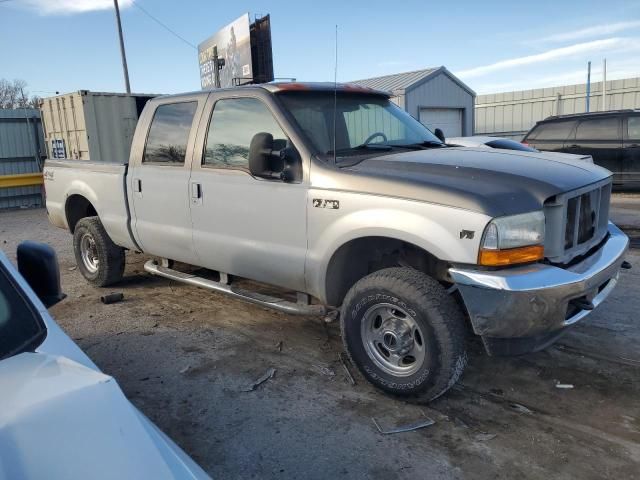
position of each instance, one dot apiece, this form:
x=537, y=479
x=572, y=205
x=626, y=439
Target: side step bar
x=268, y=301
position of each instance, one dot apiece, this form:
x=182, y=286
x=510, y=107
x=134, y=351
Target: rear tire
x=405, y=333
x=99, y=260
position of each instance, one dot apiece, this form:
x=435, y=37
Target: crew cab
x=335, y=193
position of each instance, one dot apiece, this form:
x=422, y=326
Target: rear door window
x=169, y=133
x=633, y=128
x=598, y=129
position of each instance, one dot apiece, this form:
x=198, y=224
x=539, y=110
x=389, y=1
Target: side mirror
x=260, y=151
x=440, y=134
x=38, y=264
x=276, y=159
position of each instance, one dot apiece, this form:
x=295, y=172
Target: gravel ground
x=184, y=356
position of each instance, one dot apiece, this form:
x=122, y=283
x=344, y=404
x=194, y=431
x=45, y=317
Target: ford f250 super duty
x=338, y=195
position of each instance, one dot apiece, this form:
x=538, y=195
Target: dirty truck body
x=342, y=197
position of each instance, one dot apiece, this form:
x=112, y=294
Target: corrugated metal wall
x=441, y=92
x=21, y=151
x=512, y=114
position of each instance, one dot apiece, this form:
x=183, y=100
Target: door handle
x=137, y=185
x=196, y=190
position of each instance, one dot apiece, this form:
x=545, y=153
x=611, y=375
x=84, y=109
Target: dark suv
x=611, y=138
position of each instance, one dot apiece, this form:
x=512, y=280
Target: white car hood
x=60, y=419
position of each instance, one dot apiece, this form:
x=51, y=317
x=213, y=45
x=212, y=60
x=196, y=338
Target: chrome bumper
x=532, y=300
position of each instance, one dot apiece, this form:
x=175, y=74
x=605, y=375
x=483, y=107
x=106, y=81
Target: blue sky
x=67, y=45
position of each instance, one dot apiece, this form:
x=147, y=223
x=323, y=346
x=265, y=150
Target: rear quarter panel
x=101, y=183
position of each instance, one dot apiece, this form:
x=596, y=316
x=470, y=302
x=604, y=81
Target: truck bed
x=102, y=183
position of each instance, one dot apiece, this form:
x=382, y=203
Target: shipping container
x=95, y=126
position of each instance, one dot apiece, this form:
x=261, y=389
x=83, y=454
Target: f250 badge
x=324, y=203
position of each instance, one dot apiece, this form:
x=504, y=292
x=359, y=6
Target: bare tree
x=13, y=94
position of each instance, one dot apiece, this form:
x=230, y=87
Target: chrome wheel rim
x=89, y=253
x=393, y=339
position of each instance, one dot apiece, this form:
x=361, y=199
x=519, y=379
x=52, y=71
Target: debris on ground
x=485, y=437
x=71, y=269
x=426, y=422
x=112, y=298
x=347, y=372
x=268, y=374
x=520, y=408
x=279, y=346
x=185, y=369
x=327, y=371
x=564, y=385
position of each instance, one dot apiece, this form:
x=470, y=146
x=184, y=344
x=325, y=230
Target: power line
x=161, y=24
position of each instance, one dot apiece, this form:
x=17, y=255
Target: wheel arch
x=358, y=257
x=77, y=207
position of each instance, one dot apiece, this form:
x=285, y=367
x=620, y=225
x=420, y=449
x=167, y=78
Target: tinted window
x=510, y=145
x=20, y=328
x=633, y=127
x=360, y=118
x=233, y=124
x=552, y=131
x=598, y=129
x=169, y=133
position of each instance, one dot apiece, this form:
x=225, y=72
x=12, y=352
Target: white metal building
x=434, y=96
x=512, y=114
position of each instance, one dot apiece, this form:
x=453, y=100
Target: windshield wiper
x=363, y=146
x=422, y=145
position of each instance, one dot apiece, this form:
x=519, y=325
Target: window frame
x=191, y=131
x=203, y=151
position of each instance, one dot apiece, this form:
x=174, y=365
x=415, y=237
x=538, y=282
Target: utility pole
x=604, y=85
x=122, y=54
x=588, y=84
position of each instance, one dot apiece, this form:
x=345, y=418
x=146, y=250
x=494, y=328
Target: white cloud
x=51, y=7
x=607, y=44
x=590, y=32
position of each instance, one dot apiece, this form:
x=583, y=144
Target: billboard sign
x=233, y=44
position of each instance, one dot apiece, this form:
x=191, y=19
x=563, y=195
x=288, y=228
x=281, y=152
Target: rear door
x=159, y=180
x=600, y=137
x=631, y=151
x=551, y=136
x=243, y=225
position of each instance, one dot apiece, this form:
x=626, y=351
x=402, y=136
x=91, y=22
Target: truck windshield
x=365, y=124
x=20, y=327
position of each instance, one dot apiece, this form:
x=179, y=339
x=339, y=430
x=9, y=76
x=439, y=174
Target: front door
x=243, y=225
x=159, y=183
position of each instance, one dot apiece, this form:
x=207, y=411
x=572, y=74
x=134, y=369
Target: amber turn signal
x=511, y=256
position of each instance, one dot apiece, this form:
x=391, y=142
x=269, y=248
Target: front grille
x=576, y=221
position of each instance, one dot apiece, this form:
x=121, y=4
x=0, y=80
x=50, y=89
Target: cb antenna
x=335, y=98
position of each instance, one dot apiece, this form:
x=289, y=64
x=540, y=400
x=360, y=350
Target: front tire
x=405, y=333
x=99, y=260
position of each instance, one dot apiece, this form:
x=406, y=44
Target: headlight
x=513, y=239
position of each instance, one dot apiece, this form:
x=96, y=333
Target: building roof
x=398, y=83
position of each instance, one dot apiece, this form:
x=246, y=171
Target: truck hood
x=493, y=182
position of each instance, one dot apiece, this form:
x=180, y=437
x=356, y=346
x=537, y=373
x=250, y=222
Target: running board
x=268, y=301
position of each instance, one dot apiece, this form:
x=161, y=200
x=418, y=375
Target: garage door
x=449, y=120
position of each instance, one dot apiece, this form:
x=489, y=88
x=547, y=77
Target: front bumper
x=535, y=301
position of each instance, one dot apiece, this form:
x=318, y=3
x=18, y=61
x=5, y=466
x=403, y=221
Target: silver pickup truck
x=356, y=211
